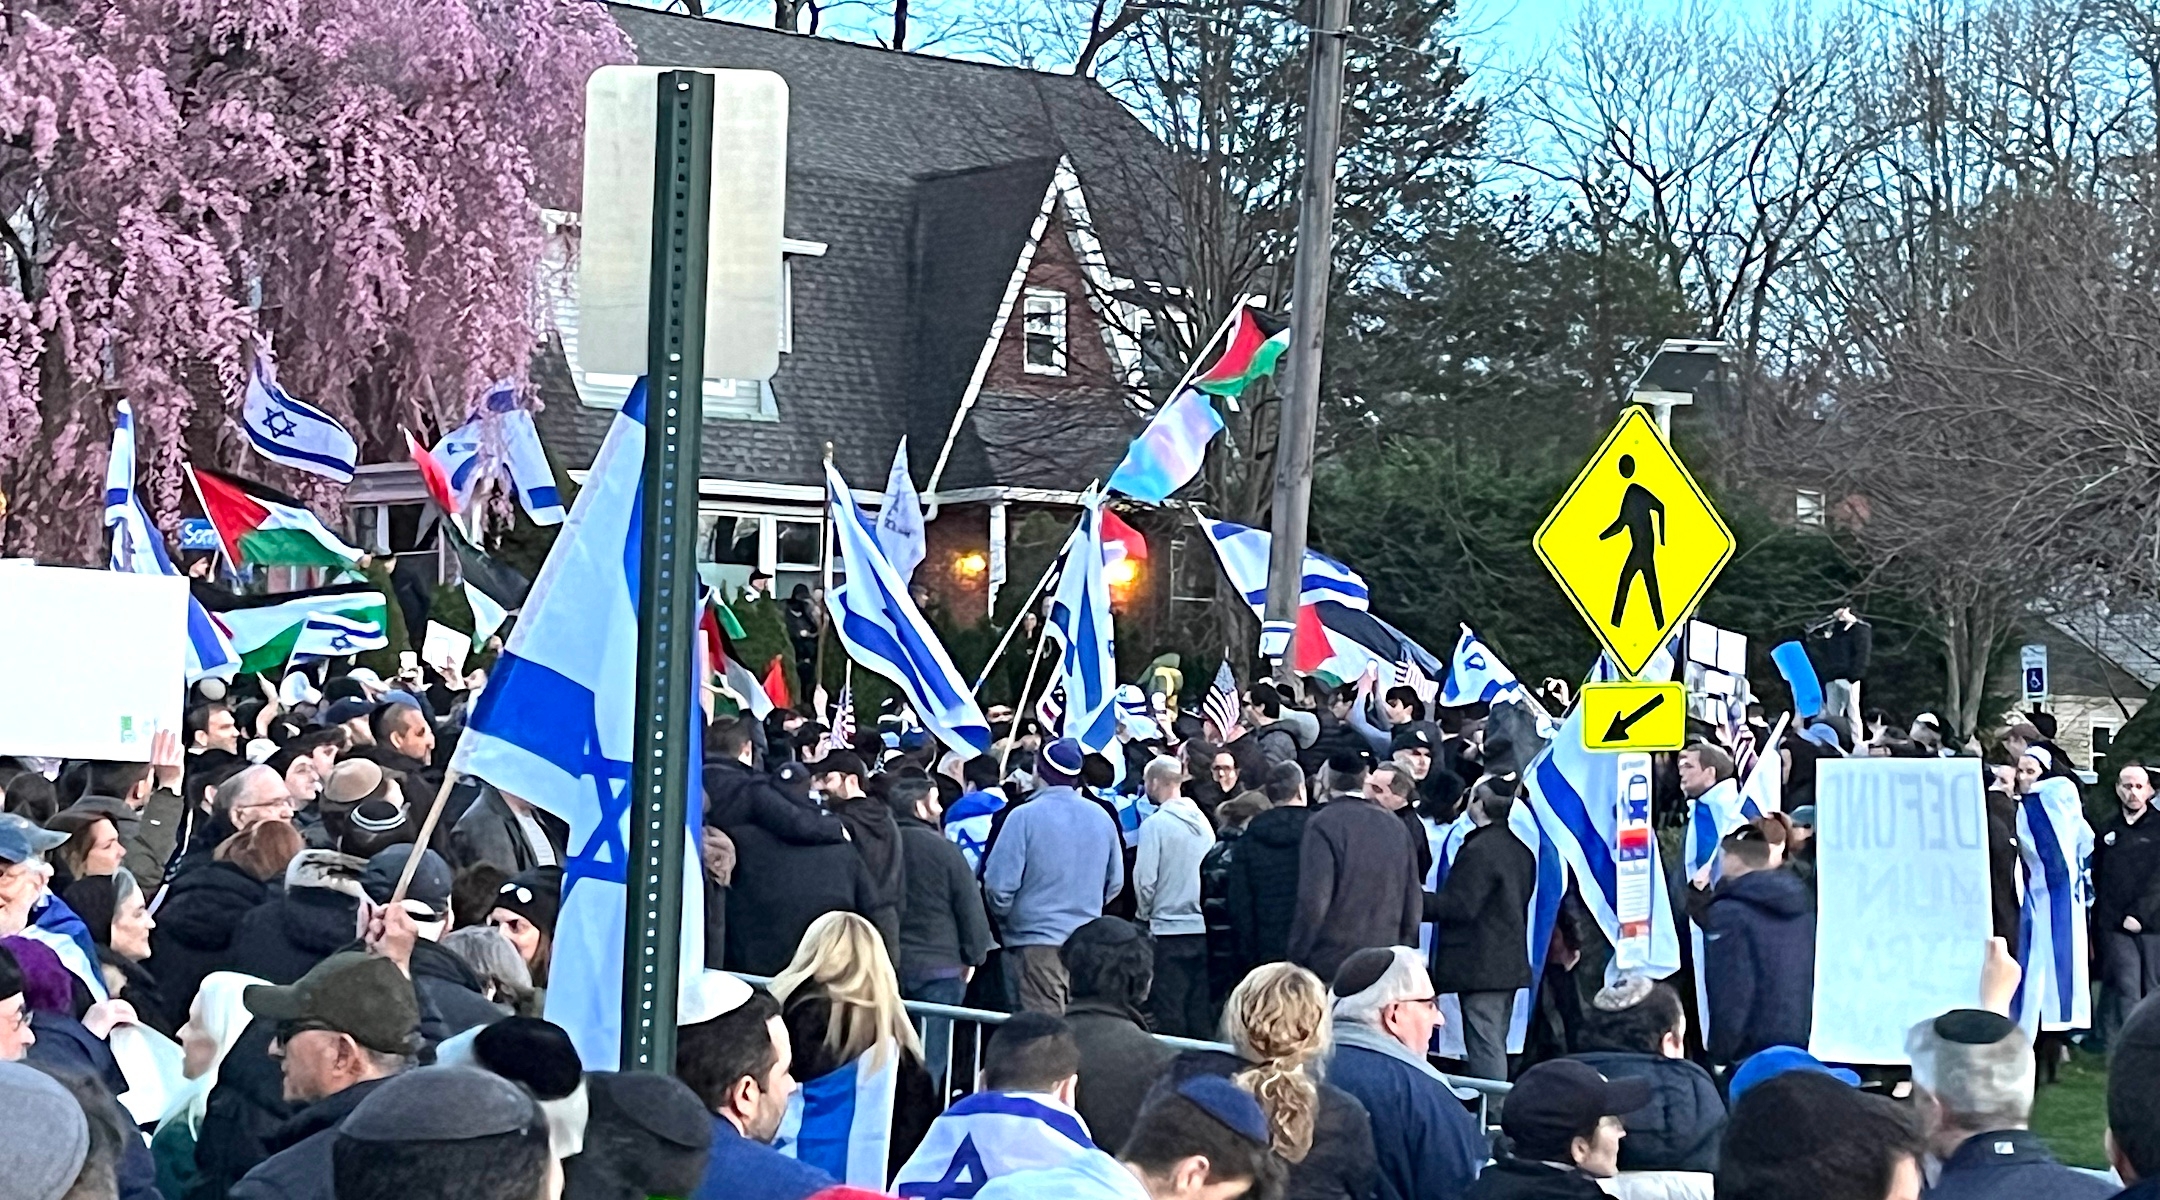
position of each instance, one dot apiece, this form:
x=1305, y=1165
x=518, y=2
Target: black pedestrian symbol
x=1642, y=516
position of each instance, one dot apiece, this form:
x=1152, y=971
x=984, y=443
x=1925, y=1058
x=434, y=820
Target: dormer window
x=1043, y=331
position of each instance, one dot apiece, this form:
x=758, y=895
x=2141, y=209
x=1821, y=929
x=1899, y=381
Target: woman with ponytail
x=1277, y=1022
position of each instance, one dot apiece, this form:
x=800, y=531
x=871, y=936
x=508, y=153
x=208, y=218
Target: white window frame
x=1810, y=508
x=1050, y=305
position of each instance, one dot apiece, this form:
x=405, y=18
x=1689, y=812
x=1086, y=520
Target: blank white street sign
x=749, y=200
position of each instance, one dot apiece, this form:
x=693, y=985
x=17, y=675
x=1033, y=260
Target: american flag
x=1408, y=674
x=1050, y=710
x=1219, y=707
x=1740, y=737
x=841, y=735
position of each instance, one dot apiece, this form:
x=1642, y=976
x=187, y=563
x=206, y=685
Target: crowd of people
x=212, y=986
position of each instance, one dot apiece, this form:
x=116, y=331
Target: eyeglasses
x=1224, y=769
x=18, y=1020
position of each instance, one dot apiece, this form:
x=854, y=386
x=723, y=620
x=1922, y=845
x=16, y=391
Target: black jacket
x=1357, y=885
x=1119, y=1061
x=1483, y=914
x=1759, y=964
x=299, y=1164
x=449, y=993
x=1263, y=885
x=1845, y=651
x=1516, y=1179
x=871, y=826
x=943, y=925
x=2126, y=873
x=1225, y=964
x=781, y=886
x=317, y=916
x=1678, y=1130
x=194, y=934
x=245, y=1111
x=1342, y=1164
x=488, y=832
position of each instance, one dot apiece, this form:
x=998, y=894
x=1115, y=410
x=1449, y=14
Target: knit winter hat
x=48, y=1134
x=533, y=895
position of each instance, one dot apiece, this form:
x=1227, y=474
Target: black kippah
x=533, y=1052
x=1973, y=1027
x=1346, y=762
x=1362, y=970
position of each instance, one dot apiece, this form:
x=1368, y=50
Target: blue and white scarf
x=2055, y=851
x=988, y=1135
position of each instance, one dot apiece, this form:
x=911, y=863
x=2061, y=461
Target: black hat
x=1362, y=970
x=430, y=884
x=793, y=780
x=351, y=992
x=1974, y=1027
x=1554, y=1102
x=441, y=1104
x=533, y=895
x=1413, y=735
x=345, y=708
x=1347, y=762
x=533, y=1052
x=645, y=1135
x=376, y=825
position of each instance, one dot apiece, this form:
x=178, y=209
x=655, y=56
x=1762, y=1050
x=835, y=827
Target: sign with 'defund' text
x=1903, y=920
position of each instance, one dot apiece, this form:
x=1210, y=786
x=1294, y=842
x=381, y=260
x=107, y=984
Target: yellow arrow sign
x=1634, y=716
x=1634, y=542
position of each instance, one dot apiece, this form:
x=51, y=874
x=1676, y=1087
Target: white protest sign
x=96, y=661
x=444, y=649
x=1903, y=920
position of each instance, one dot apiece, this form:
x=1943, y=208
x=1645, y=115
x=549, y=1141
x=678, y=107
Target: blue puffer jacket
x=1759, y=964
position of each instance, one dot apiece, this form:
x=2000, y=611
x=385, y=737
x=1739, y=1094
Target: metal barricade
x=953, y=1041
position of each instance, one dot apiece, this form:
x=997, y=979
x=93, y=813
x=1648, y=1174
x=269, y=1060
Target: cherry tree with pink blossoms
x=359, y=181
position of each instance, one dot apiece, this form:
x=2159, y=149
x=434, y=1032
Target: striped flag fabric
x=722, y=633
x=331, y=635
x=267, y=528
x=556, y=726
x=1081, y=624
x=987, y=1135
x=1257, y=340
x=291, y=432
x=2055, y=849
x=138, y=548
x=878, y=623
x=432, y=476
x=840, y=730
x=900, y=522
x=1475, y=674
x=1170, y=451
x=1050, y=706
x=1243, y=552
x=1220, y=706
x=1410, y=675
x=841, y=1122
x=500, y=439
x=264, y=630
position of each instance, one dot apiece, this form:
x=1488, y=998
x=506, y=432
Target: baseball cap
x=1553, y=1102
x=20, y=840
x=1060, y=762
x=430, y=886
x=1769, y=1064
x=351, y=992
x=348, y=708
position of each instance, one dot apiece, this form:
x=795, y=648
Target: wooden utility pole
x=1308, y=329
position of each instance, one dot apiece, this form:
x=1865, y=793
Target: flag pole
x=825, y=557
x=1200, y=355
x=1012, y=729
x=999, y=651
x=188, y=469
x=427, y=830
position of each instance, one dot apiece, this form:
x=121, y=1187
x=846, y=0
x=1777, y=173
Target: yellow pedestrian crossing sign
x=1634, y=543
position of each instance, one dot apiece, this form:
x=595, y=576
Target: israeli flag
x=988, y=1135
x=1170, y=451
x=57, y=927
x=1243, y=552
x=900, y=522
x=1573, y=793
x=967, y=825
x=881, y=628
x=139, y=549
x=2055, y=850
x=555, y=727
x=331, y=635
x=841, y=1122
x=1080, y=623
x=293, y=433
x=1476, y=675
x=501, y=436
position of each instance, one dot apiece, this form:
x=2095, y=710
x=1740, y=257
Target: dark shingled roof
x=923, y=176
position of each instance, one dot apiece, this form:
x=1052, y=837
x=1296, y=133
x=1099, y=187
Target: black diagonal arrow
x=1618, y=730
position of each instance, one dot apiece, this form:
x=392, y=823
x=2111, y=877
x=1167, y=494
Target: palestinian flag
x=776, y=685
x=261, y=526
x=722, y=634
x=1256, y=341
x=263, y=629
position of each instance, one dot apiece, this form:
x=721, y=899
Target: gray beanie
x=48, y=1135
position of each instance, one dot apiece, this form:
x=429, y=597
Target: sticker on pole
x=1634, y=716
x=1634, y=543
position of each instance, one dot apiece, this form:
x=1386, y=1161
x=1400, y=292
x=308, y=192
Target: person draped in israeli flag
x=1081, y=625
x=2055, y=850
x=555, y=727
x=291, y=432
x=1023, y=1120
x=877, y=622
x=1475, y=674
x=138, y=548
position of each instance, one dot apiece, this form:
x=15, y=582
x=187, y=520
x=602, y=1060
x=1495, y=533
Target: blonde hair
x=843, y=958
x=1277, y=1019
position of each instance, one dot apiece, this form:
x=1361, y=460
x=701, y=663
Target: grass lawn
x=2072, y=1112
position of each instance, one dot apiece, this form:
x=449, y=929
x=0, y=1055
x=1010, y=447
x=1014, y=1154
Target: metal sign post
x=667, y=582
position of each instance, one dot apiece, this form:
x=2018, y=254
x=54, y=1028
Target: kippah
x=1362, y=970
x=1629, y=992
x=1343, y=762
x=1228, y=1103
x=1974, y=1027
x=533, y=1052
